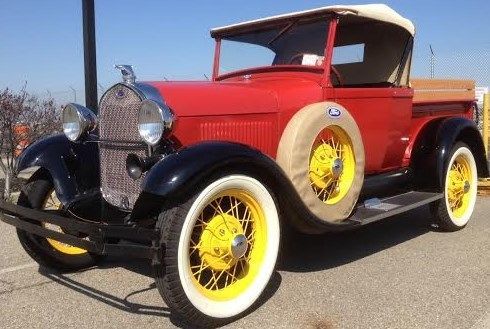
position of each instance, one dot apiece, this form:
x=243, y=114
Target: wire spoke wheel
x=221, y=248
x=459, y=186
x=331, y=165
x=227, y=244
x=460, y=190
x=53, y=203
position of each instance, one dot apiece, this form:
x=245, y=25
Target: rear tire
x=453, y=212
x=34, y=196
x=220, y=250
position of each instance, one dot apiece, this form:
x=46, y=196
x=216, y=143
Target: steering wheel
x=297, y=57
x=336, y=72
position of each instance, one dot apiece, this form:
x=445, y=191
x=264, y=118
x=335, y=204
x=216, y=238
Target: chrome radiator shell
x=118, y=132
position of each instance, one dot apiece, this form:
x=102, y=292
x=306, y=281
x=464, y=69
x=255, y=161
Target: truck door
x=383, y=116
x=369, y=74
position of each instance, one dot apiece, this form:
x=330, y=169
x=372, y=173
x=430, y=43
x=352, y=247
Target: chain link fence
x=470, y=62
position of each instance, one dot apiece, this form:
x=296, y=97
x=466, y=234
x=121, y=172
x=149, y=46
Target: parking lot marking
x=17, y=268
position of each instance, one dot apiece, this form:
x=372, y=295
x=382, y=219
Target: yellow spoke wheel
x=459, y=186
x=332, y=165
x=227, y=245
x=53, y=203
x=460, y=190
x=220, y=249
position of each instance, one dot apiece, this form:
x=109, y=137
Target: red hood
x=188, y=99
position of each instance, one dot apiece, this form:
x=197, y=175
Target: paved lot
x=394, y=274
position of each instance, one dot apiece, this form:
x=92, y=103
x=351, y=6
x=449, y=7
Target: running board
x=376, y=209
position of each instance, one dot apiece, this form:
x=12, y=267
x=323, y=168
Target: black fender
x=74, y=167
x=179, y=175
x=433, y=147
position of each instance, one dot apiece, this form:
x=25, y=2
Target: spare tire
x=322, y=152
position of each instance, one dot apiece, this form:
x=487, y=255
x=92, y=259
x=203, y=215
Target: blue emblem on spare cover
x=334, y=112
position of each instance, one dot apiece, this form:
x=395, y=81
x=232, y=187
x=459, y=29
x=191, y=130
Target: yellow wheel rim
x=458, y=186
x=53, y=203
x=332, y=165
x=228, y=245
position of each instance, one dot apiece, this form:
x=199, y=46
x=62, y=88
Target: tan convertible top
x=377, y=12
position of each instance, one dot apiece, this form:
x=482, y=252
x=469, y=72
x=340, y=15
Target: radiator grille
x=118, y=128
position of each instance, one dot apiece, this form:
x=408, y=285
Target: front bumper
x=98, y=234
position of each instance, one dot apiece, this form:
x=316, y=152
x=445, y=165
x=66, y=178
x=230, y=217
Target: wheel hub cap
x=223, y=242
x=337, y=167
x=239, y=246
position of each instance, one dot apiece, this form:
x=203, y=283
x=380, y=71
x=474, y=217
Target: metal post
x=432, y=62
x=89, y=53
x=74, y=94
x=486, y=122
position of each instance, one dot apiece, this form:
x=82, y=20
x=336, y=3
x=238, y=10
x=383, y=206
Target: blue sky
x=41, y=41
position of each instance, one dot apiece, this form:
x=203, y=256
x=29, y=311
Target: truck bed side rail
x=442, y=90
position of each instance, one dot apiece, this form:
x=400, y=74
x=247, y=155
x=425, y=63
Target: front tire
x=220, y=250
x=39, y=193
x=460, y=190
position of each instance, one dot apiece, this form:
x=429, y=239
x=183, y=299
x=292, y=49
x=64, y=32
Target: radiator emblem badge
x=120, y=93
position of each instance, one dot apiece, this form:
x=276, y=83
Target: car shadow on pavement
x=122, y=304
x=307, y=253
x=299, y=253
x=142, y=267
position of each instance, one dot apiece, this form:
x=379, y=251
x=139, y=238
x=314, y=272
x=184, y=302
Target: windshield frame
x=332, y=21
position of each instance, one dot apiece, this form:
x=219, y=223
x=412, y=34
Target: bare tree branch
x=24, y=118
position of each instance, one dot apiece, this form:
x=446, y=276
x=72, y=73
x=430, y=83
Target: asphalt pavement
x=399, y=273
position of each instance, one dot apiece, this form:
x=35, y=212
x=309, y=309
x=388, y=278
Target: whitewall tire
x=460, y=190
x=221, y=248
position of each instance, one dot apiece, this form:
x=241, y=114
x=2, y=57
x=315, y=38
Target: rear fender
x=433, y=147
x=72, y=166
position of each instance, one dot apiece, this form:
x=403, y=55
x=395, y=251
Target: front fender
x=173, y=175
x=181, y=174
x=73, y=166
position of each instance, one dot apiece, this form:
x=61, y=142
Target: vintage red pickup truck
x=311, y=120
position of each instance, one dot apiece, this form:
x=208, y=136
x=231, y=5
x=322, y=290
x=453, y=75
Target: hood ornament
x=127, y=72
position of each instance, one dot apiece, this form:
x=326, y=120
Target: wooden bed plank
x=442, y=90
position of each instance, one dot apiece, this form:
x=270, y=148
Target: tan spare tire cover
x=295, y=150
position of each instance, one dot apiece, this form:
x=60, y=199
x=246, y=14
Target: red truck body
x=203, y=177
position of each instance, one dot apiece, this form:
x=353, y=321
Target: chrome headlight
x=154, y=121
x=77, y=120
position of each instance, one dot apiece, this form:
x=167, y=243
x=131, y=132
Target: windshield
x=290, y=43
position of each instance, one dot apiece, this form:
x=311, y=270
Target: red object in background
x=21, y=133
